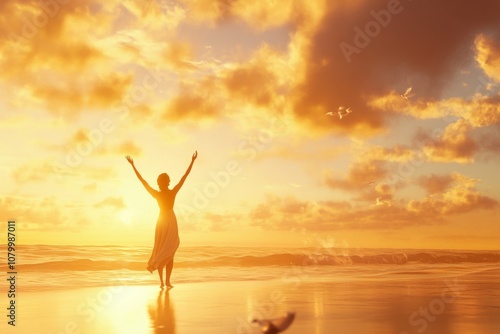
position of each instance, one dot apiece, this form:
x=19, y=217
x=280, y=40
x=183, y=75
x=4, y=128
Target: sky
x=248, y=84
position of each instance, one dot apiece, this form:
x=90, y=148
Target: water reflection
x=162, y=314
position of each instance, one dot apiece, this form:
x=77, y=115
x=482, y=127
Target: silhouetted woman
x=166, y=233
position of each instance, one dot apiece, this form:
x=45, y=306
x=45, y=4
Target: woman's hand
x=130, y=160
x=195, y=155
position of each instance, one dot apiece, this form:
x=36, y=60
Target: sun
x=125, y=217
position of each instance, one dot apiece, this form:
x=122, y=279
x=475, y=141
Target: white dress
x=166, y=233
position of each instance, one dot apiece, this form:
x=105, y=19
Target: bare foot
x=161, y=286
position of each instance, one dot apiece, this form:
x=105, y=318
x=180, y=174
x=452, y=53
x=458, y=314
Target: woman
x=166, y=233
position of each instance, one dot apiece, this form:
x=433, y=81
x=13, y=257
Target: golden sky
x=248, y=84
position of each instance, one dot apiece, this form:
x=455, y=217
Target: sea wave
x=280, y=259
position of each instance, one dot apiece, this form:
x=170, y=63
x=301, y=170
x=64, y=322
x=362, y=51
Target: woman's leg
x=168, y=271
x=160, y=272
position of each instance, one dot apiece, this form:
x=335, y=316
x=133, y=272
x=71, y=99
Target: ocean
x=45, y=267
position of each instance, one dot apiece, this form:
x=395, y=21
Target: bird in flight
x=406, y=95
x=341, y=112
x=275, y=326
x=379, y=201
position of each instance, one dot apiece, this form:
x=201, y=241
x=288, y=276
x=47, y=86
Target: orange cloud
x=70, y=100
x=479, y=111
x=360, y=175
x=461, y=197
x=285, y=151
x=258, y=14
x=385, y=59
x=434, y=184
x=394, y=154
x=488, y=55
x=454, y=145
x=65, y=58
x=289, y=213
x=189, y=106
x=252, y=83
x=373, y=174
x=178, y=56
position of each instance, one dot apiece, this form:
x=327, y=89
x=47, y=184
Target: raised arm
x=144, y=183
x=181, y=182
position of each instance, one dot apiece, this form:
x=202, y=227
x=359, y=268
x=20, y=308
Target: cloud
x=41, y=213
x=490, y=141
x=114, y=202
x=43, y=171
x=295, y=152
x=127, y=148
x=373, y=174
x=259, y=14
x=454, y=145
x=246, y=92
x=33, y=172
x=290, y=213
x=258, y=85
x=488, y=55
x=84, y=55
x=139, y=46
x=157, y=16
x=397, y=153
x=460, y=198
x=220, y=222
x=189, y=106
x=84, y=139
x=252, y=83
x=48, y=36
x=435, y=184
x=479, y=110
x=71, y=99
x=390, y=59
x=360, y=175
x=469, y=131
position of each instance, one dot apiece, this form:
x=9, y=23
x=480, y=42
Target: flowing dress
x=166, y=233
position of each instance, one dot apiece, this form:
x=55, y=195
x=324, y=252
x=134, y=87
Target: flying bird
x=379, y=202
x=405, y=95
x=343, y=111
x=278, y=325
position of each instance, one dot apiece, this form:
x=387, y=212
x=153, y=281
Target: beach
x=443, y=299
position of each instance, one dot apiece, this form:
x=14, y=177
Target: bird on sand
x=406, y=95
x=277, y=325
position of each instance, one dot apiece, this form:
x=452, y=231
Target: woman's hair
x=163, y=181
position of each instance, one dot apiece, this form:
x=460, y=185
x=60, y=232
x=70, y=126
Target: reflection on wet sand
x=162, y=314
